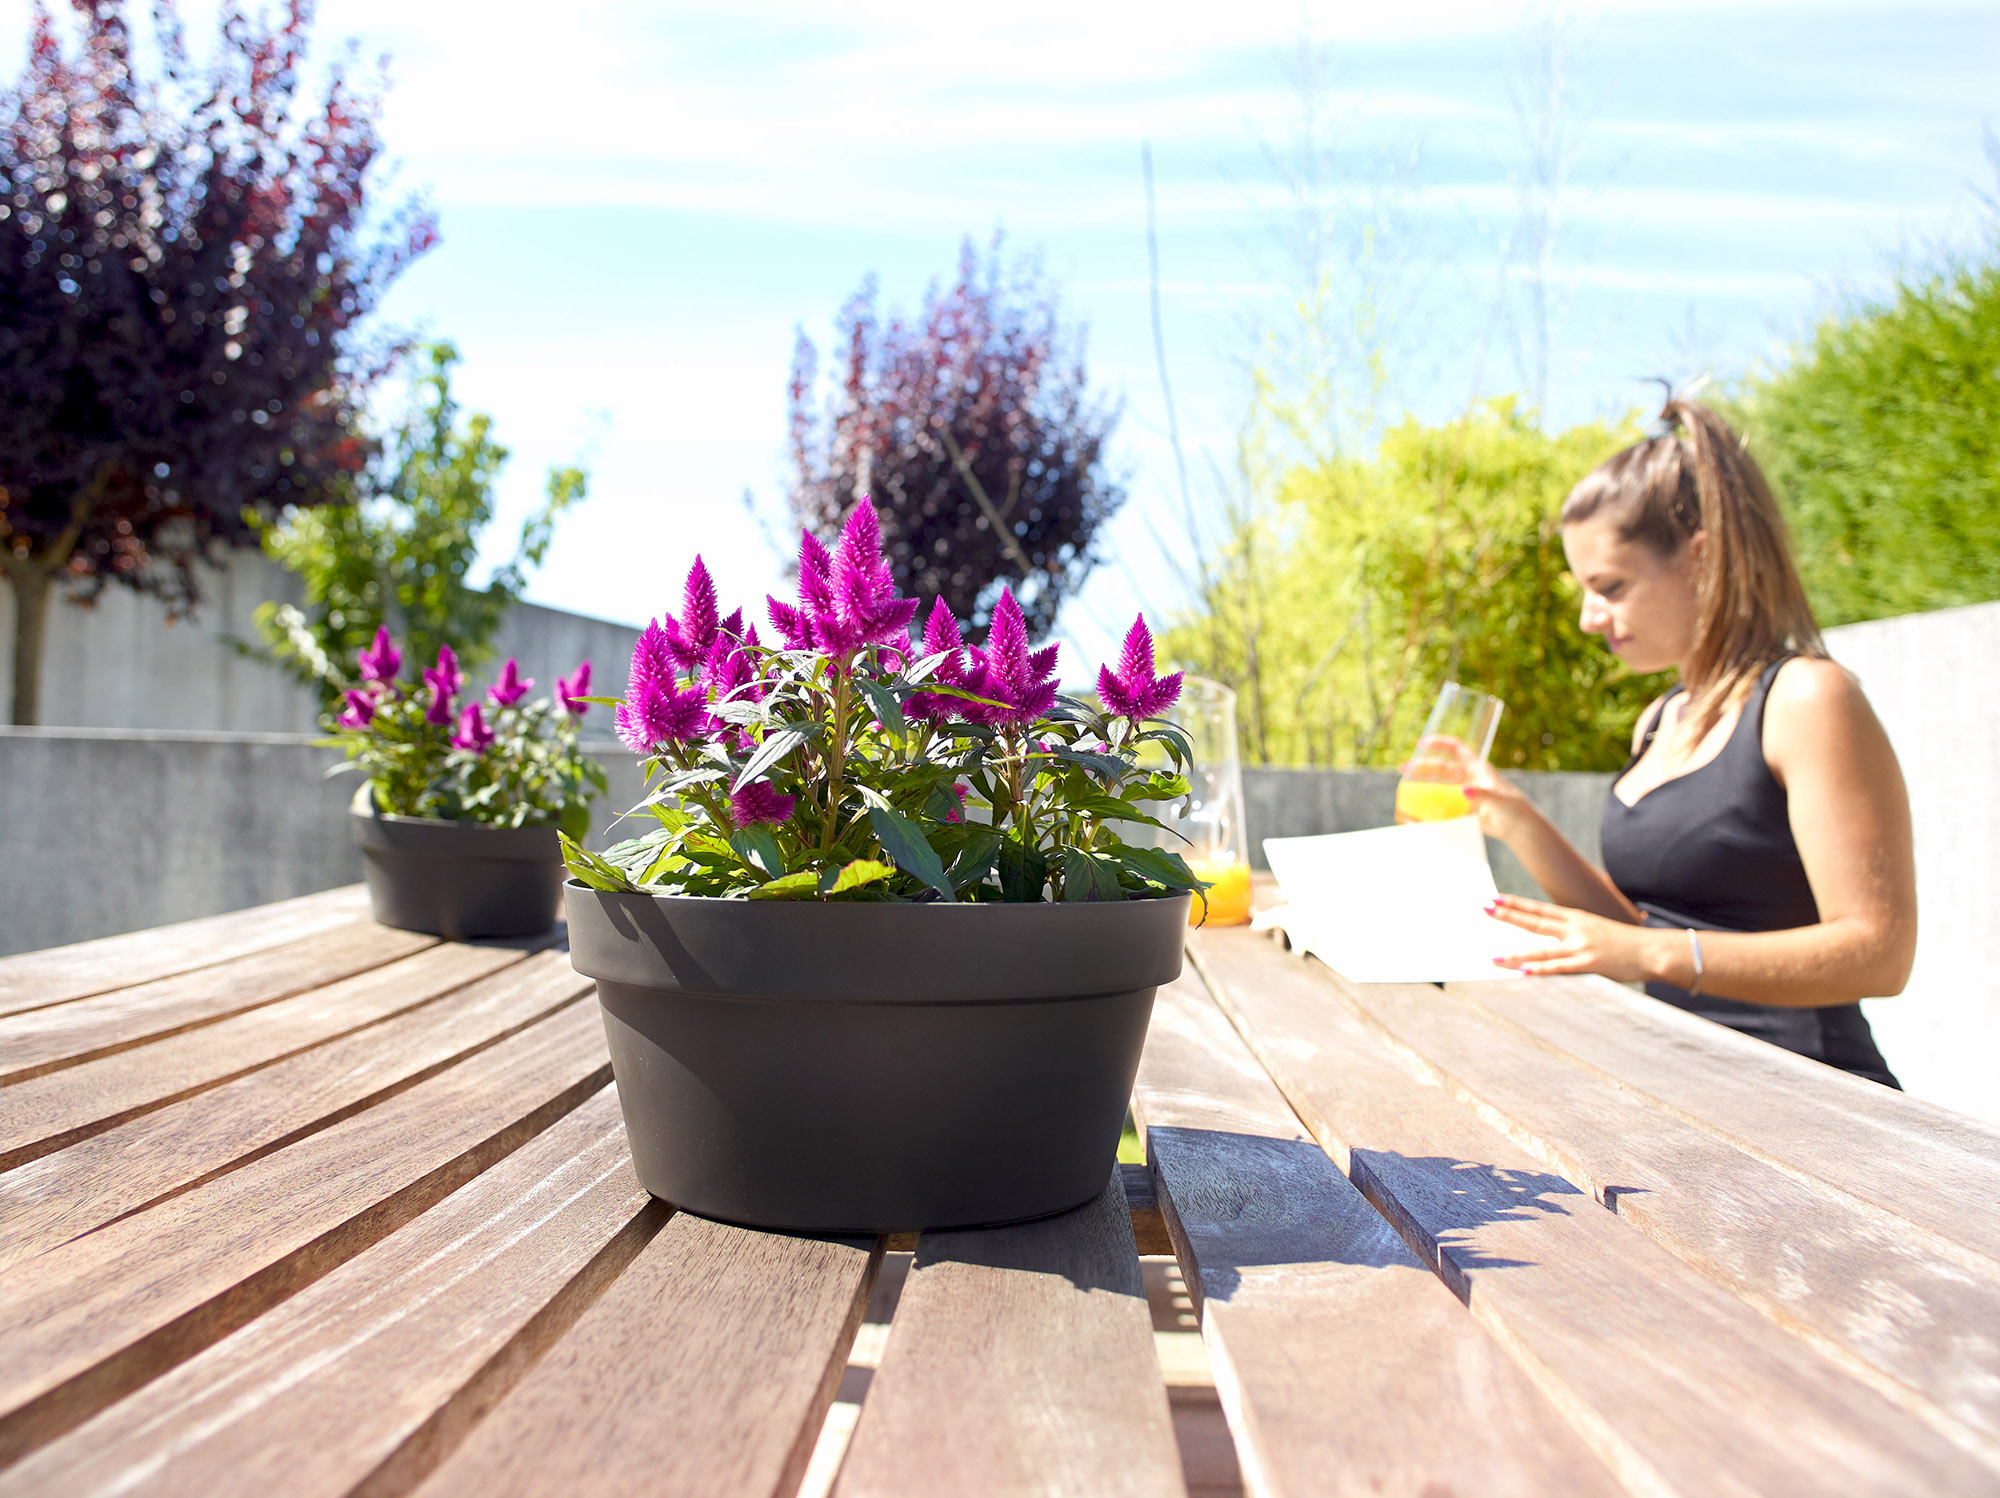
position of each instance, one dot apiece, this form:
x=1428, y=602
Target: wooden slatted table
x=294, y=1203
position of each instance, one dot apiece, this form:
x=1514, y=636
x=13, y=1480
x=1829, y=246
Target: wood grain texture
x=1020, y=1361
x=88, y=1322
x=30, y=980
x=44, y=1039
x=54, y=1198
x=1913, y=1312
x=366, y=1378
x=1677, y=1385
x=1918, y=1160
x=1343, y=1364
x=705, y=1369
x=48, y=1111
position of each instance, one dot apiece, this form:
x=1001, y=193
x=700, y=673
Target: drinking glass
x=1458, y=735
x=1216, y=849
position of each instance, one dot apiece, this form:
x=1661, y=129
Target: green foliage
x=1338, y=610
x=399, y=552
x=532, y=774
x=1882, y=440
x=886, y=805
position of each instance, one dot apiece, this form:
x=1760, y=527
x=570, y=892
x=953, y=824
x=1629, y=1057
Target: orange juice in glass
x=1458, y=735
x=1212, y=819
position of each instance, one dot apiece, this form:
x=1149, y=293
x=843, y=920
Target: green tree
x=1339, y=609
x=1882, y=441
x=400, y=552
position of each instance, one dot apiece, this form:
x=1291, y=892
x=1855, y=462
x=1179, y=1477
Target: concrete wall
x=121, y=664
x=106, y=831
x=1934, y=680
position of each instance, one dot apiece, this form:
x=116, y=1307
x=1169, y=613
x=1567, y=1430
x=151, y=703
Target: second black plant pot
x=873, y=1068
x=459, y=879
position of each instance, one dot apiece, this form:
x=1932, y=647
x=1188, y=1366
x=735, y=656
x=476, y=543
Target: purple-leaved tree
x=182, y=266
x=974, y=429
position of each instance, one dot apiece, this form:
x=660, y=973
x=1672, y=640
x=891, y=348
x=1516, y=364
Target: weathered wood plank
x=705, y=1369
x=88, y=1322
x=1916, y=1314
x=1677, y=1385
x=1924, y=1163
x=366, y=1378
x=42, y=1040
x=30, y=980
x=1343, y=1364
x=1020, y=1361
x=68, y=1192
x=46, y=1112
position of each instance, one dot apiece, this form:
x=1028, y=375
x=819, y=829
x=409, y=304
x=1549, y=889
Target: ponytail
x=1696, y=477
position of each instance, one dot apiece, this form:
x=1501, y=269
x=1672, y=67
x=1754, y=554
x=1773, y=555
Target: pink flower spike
x=1133, y=691
x=689, y=637
x=360, y=709
x=511, y=687
x=760, y=801
x=447, y=670
x=439, y=710
x=472, y=732
x=792, y=625
x=570, y=691
x=382, y=660
x=658, y=714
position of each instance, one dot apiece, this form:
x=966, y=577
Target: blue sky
x=640, y=202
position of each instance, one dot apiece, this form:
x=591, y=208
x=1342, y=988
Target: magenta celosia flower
x=1133, y=691
x=511, y=687
x=472, y=732
x=730, y=670
x=1007, y=673
x=570, y=691
x=444, y=679
x=360, y=709
x=689, y=637
x=760, y=801
x=657, y=713
x=940, y=634
x=652, y=661
x=439, y=709
x=382, y=660
x=847, y=600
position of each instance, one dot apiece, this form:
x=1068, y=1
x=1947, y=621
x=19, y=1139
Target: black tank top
x=1713, y=849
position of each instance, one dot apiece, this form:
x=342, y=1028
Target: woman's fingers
x=1531, y=915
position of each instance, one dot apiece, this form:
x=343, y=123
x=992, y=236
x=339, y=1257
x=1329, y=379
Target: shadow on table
x=1250, y=1201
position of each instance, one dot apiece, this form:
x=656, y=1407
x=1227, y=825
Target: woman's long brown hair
x=1697, y=476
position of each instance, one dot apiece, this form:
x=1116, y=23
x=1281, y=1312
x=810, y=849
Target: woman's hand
x=1503, y=811
x=1579, y=942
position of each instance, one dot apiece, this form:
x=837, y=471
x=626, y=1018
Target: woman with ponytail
x=1757, y=863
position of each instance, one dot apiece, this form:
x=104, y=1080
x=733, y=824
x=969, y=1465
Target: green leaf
x=592, y=870
x=756, y=847
x=1158, y=866
x=976, y=859
x=803, y=885
x=1089, y=876
x=1108, y=808
x=863, y=871
x=774, y=748
x=1023, y=871
x=905, y=844
x=884, y=702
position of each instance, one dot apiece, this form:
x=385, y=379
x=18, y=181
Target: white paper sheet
x=1395, y=904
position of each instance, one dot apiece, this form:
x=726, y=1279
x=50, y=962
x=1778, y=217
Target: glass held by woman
x=1457, y=735
x=1757, y=860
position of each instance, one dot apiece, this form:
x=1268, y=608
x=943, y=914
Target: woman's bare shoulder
x=1811, y=688
x=1815, y=706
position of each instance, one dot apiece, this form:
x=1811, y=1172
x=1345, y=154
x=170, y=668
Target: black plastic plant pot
x=873, y=1068
x=459, y=879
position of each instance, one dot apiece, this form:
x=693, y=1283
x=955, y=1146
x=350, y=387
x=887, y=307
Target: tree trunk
x=32, y=590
